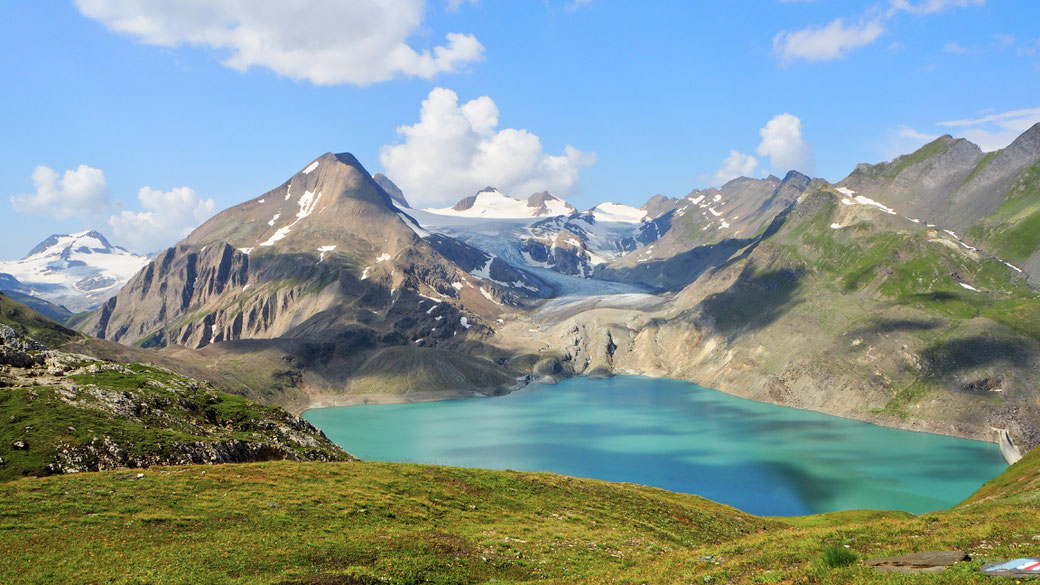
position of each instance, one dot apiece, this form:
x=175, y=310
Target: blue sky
x=207, y=105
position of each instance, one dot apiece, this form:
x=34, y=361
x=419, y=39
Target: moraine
x=761, y=458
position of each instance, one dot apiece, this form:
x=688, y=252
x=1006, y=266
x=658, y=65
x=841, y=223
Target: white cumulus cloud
x=783, y=143
x=326, y=42
x=824, y=43
x=168, y=217
x=453, y=151
x=76, y=193
x=737, y=164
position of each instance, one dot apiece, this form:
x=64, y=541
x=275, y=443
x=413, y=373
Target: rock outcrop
x=91, y=415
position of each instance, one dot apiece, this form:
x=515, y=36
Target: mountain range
x=891, y=296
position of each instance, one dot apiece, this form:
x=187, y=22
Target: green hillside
x=1013, y=231
x=27, y=321
x=329, y=523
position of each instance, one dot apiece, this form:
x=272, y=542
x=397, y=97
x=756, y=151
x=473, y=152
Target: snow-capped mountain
x=617, y=212
x=490, y=203
x=79, y=271
x=544, y=234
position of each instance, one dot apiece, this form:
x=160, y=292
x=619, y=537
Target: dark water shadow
x=754, y=487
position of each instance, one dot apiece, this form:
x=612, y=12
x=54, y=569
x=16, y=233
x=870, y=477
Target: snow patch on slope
x=307, y=204
x=323, y=250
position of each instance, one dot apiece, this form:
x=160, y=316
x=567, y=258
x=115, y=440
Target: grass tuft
x=835, y=556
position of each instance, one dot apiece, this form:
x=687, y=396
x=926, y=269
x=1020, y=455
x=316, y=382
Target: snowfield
x=492, y=204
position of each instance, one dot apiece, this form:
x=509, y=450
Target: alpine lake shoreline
x=330, y=400
x=536, y=434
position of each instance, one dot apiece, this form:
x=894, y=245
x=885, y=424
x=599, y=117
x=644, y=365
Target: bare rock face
x=538, y=201
x=922, y=184
x=391, y=189
x=178, y=279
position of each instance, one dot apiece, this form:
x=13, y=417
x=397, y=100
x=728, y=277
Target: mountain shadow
x=958, y=355
x=752, y=302
x=881, y=326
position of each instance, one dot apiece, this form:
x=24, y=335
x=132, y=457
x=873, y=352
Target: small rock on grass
x=929, y=561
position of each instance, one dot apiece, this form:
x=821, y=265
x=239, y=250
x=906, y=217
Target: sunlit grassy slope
x=346, y=523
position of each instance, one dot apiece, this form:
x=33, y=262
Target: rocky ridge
x=990, y=199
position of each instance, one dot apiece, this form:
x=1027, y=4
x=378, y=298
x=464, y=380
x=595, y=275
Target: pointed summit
x=333, y=194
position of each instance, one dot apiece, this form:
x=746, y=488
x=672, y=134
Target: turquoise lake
x=761, y=458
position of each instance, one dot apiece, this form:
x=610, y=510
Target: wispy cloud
x=910, y=133
x=1018, y=119
x=1030, y=49
x=1004, y=40
x=991, y=131
x=957, y=49
x=837, y=39
x=832, y=41
x=454, y=5
x=931, y=6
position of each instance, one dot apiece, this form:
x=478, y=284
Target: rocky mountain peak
x=658, y=205
x=1027, y=145
x=391, y=189
x=466, y=203
x=334, y=194
x=546, y=203
x=796, y=176
x=539, y=199
x=87, y=242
